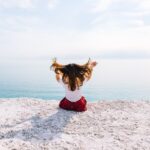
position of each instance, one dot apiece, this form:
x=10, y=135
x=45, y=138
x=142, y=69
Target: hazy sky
x=77, y=28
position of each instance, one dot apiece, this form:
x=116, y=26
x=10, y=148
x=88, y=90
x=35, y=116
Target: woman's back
x=69, y=94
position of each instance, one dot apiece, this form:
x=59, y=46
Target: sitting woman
x=72, y=77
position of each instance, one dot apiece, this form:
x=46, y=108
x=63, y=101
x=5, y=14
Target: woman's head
x=73, y=74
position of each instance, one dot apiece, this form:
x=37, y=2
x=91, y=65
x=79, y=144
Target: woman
x=72, y=77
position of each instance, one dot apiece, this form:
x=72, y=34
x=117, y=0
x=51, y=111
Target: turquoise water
x=111, y=80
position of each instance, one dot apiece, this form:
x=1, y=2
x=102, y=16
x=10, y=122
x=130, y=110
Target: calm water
x=112, y=79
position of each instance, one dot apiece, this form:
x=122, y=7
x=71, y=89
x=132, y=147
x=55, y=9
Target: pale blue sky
x=75, y=28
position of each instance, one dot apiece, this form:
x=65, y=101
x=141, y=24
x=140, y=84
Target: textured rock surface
x=33, y=124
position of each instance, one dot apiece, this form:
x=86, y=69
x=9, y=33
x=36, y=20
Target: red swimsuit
x=79, y=105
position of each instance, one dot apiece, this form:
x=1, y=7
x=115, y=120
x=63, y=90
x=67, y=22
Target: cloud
x=105, y=5
x=135, y=14
x=38, y=44
x=19, y=23
x=52, y=3
x=25, y=4
x=138, y=22
x=144, y=4
x=113, y=21
x=115, y=29
x=101, y=5
x=120, y=13
x=16, y=3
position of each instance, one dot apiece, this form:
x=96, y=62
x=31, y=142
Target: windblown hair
x=73, y=74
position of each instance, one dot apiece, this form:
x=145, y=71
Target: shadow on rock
x=42, y=129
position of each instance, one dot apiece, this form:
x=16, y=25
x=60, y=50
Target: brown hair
x=73, y=74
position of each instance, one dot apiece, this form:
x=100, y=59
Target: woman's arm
x=91, y=65
x=54, y=66
x=58, y=77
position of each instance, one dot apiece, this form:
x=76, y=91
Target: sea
x=112, y=79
